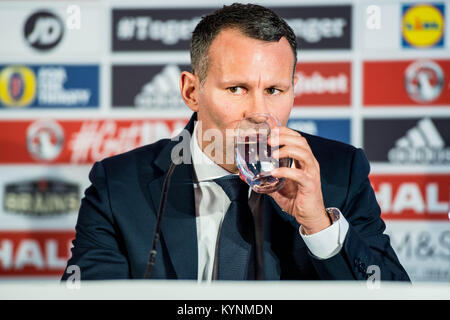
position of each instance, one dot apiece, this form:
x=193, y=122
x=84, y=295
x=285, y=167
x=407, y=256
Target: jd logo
x=43, y=30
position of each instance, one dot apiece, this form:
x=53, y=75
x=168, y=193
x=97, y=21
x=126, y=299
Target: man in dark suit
x=323, y=224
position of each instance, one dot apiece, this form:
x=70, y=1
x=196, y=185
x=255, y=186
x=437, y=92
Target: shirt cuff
x=329, y=241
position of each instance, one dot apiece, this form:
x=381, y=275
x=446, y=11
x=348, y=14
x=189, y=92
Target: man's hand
x=301, y=196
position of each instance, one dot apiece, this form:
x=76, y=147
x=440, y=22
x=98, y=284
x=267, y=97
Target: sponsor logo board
x=423, y=25
x=423, y=141
x=146, y=29
x=413, y=196
x=319, y=27
x=423, y=248
x=34, y=253
x=335, y=129
x=43, y=30
x=79, y=141
x=40, y=197
x=55, y=30
x=143, y=29
x=406, y=83
x=148, y=87
x=323, y=83
x=49, y=86
x=43, y=197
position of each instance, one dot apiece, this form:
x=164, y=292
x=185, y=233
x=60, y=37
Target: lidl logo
x=17, y=86
x=423, y=25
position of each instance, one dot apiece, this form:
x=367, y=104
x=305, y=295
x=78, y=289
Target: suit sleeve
x=96, y=248
x=365, y=248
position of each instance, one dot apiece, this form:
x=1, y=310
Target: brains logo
x=424, y=81
x=45, y=140
x=17, y=86
x=423, y=26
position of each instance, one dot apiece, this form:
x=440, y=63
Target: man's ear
x=189, y=86
x=295, y=80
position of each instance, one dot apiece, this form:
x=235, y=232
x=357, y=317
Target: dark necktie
x=235, y=249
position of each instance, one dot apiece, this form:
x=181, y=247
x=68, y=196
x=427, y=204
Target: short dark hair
x=252, y=20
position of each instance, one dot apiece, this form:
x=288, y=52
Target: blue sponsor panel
x=335, y=129
x=49, y=86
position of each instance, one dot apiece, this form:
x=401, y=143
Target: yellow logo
x=423, y=25
x=17, y=86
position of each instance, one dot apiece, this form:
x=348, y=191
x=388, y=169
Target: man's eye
x=272, y=91
x=236, y=90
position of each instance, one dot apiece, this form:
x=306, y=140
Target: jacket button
x=362, y=267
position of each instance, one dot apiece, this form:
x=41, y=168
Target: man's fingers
x=286, y=136
x=297, y=153
x=295, y=175
x=285, y=130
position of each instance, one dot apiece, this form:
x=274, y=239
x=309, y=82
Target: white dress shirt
x=211, y=204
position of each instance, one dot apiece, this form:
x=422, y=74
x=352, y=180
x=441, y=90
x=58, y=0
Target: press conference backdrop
x=84, y=80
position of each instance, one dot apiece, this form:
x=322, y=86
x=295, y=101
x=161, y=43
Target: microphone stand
x=162, y=205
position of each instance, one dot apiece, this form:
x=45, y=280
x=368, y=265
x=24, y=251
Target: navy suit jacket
x=116, y=221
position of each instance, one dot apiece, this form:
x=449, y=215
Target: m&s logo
x=423, y=25
x=17, y=86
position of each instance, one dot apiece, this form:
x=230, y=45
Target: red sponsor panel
x=34, y=253
x=78, y=142
x=413, y=197
x=323, y=84
x=406, y=83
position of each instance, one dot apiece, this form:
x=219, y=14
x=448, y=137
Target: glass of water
x=253, y=154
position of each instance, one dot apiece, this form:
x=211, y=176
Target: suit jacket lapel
x=178, y=226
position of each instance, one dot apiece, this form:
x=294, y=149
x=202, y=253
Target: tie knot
x=234, y=187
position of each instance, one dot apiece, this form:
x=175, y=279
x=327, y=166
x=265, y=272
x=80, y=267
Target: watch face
x=333, y=213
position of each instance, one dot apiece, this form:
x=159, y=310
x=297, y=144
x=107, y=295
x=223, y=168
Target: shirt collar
x=205, y=168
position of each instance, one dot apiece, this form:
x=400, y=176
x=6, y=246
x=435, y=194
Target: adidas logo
x=422, y=144
x=162, y=92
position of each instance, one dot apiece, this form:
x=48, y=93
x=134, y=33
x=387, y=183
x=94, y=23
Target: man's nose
x=257, y=103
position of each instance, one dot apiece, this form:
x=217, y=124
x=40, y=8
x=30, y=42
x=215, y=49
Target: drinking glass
x=254, y=155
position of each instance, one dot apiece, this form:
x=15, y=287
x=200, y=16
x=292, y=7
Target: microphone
x=162, y=205
x=156, y=237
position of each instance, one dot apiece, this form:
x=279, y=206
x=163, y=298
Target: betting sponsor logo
x=84, y=141
x=335, y=129
x=43, y=30
x=149, y=87
x=319, y=27
x=49, y=86
x=406, y=83
x=326, y=84
x=423, y=25
x=423, y=248
x=408, y=141
x=43, y=197
x=34, y=253
x=413, y=196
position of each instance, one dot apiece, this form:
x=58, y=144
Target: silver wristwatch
x=333, y=214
